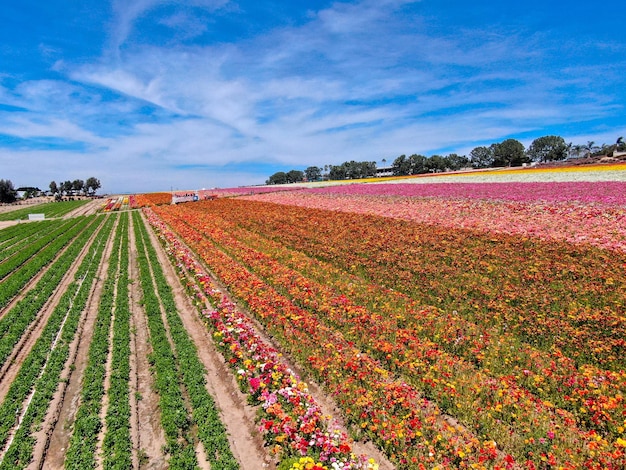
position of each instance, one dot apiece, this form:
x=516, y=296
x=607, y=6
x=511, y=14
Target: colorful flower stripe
x=490, y=403
x=575, y=223
x=151, y=199
x=407, y=427
x=602, y=172
x=522, y=285
x=543, y=372
x=293, y=422
x=606, y=192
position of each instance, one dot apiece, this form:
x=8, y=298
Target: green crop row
x=42, y=367
x=13, y=238
x=81, y=453
x=12, y=284
x=117, y=445
x=49, y=209
x=15, y=322
x=29, y=251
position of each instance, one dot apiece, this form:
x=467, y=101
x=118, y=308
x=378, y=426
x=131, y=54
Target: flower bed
x=292, y=422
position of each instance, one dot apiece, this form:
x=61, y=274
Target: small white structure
x=36, y=216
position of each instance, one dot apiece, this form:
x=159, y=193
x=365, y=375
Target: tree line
x=509, y=152
x=74, y=188
x=8, y=193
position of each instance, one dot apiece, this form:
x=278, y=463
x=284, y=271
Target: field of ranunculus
x=476, y=325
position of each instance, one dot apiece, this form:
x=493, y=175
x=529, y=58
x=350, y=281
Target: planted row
x=13, y=238
x=81, y=453
x=175, y=419
x=16, y=321
x=39, y=374
x=12, y=284
x=49, y=209
x=291, y=421
x=401, y=347
x=117, y=445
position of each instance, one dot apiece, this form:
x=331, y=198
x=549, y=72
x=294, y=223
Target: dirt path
x=53, y=438
x=90, y=208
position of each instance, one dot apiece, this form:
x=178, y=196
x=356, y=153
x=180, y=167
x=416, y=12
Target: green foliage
x=352, y=170
x=509, y=153
x=313, y=173
x=81, y=450
x=42, y=367
x=50, y=210
x=547, y=148
x=211, y=432
x=7, y=191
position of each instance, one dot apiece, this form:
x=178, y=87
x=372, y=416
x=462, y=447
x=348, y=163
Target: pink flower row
x=586, y=192
x=595, y=224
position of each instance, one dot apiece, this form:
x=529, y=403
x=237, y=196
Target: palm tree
x=590, y=147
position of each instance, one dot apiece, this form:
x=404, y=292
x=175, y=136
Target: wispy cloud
x=361, y=80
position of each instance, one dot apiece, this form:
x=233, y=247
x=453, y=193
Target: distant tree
x=353, y=170
x=337, y=172
x=358, y=170
x=455, y=162
x=54, y=189
x=78, y=186
x=92, y=185
x=576, y=150
x=605, y=150
x=435, y=164
x=547, y=149
x=28, y=191
x=368, y=169
x=481, y=157
x=66, y=188
x=417, y=164
x=295, y=176
x=313, y=173
x=279, y=177
x=401, y=166
x=7, y=191
x=590, y=148
x=509, y=153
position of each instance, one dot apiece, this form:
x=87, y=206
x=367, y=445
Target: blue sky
x=150, y=95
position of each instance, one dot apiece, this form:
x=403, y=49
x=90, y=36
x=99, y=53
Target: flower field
x=456, y=325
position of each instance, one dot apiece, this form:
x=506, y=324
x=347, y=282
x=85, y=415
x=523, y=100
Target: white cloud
x=356, y=81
